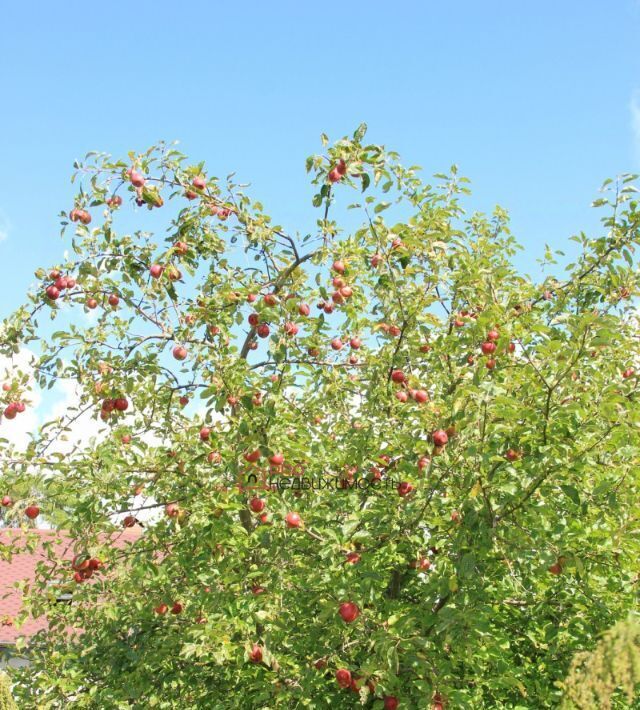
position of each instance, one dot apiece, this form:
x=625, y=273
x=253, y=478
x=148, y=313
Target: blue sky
x=534, y=101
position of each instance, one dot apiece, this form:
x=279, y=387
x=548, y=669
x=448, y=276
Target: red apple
x=404, y=488
x=205, y=432
x=156, y=270
x=129, y=521
x=255, y=655
x=398, y=376
x=493, y=335
x=256, y=505
x=114, y=201
x=303, y=309
x=440, y=437
x=422, y=564
x=337, y=344
x=52, y=292
x=121, y=404
x=490, y=364
x=252, y=456
x=390, y=702
x=6, y=501
x=339, y=266
x=276, y=459
x=263, y=330
x=352, y=558
x=343, y=676
x=488, y=348
x=555, y=568
x=292, y=520
x=92, y=303
x=199, y=182
x=136, y=178
x=113, y=300
x=421, y=396
x=176, y=608
x=179, y=352
x=172, y=510
x=349, y=612
x=32, y=512
x=355, y=343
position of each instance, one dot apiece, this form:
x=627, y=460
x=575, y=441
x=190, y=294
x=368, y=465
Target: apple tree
x=370, y=463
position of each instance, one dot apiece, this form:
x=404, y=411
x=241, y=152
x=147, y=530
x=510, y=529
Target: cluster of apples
x=461, y=318
x=348, y=680
x=402, y=395
x=338, y=171
x=489, y=347
x=79, y=215
x=343, y=291
x=14, y=408
x=84, y=566
x=440, y=438
x=60, y=284
x=162, y=609
x=113, y=406
x=31, y=511
x=198, y=183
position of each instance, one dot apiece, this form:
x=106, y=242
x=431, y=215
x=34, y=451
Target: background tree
x=6, y=701
x=475, y=434
x=613, y=665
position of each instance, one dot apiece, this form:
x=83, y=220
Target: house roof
x=32, y=546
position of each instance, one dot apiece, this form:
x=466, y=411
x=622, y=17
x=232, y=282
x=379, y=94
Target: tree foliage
x=459, y=441
x=6, y=701
x=613, y=665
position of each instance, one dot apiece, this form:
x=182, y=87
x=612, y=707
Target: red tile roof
x=22, y=566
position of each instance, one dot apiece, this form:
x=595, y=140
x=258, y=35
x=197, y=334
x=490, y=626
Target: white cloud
x=5, y=226
x=634, y=106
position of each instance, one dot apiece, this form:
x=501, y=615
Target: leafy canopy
x=476, y=433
